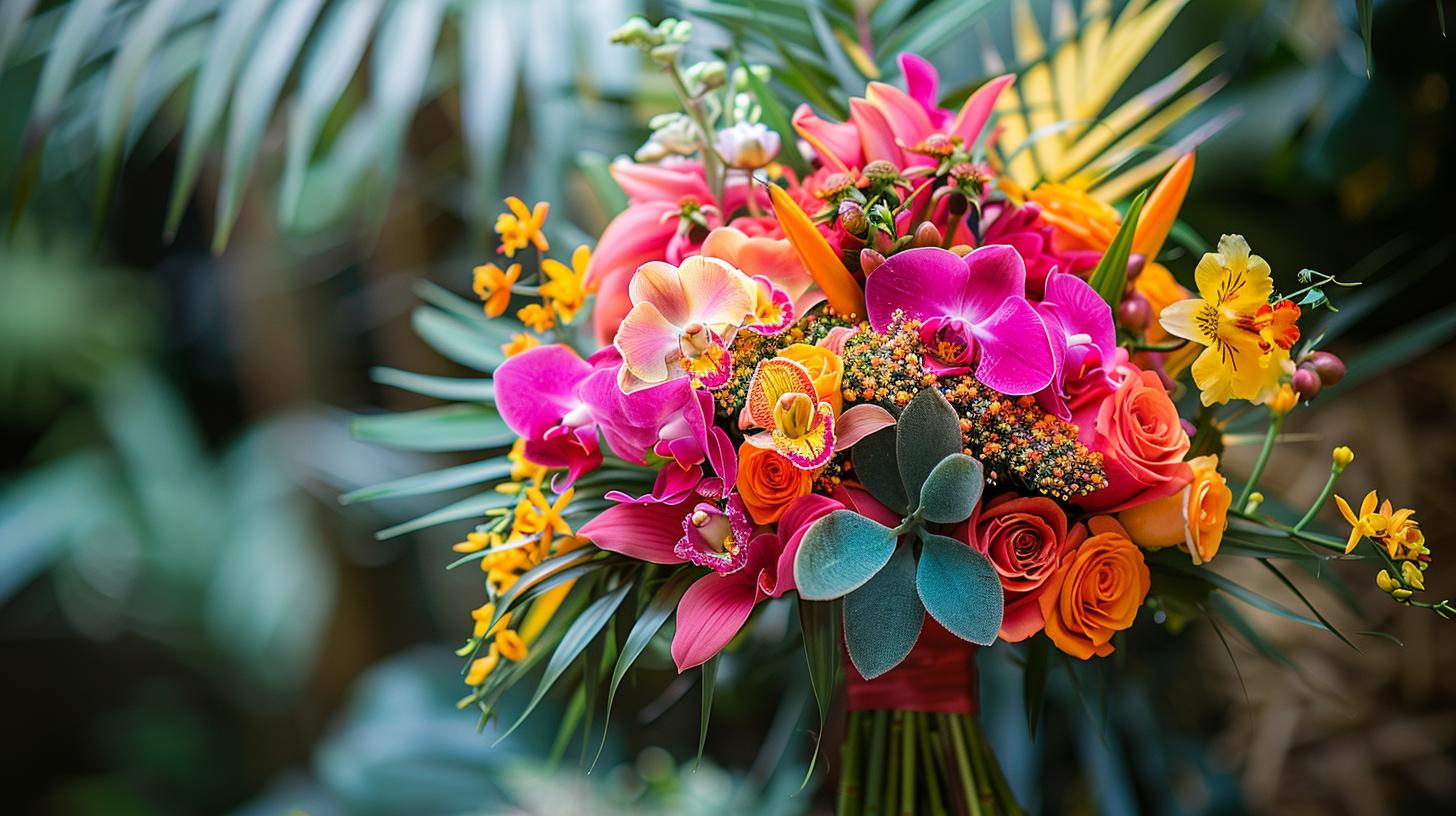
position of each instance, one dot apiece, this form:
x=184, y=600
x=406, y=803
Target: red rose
x=1024, y=537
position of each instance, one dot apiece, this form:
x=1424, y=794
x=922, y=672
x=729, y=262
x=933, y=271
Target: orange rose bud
x=1097, y=590
x=1194, y=518
x=769, y=483
x=824, y=367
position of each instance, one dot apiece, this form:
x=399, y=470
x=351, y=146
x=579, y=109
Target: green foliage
x=952, y=489
x=839, y=553
x=1110, y=276
x=882, y=619
x=879, y=469
x=819, y=626
x=959, y=588
x=928, y=431
x=444, y=428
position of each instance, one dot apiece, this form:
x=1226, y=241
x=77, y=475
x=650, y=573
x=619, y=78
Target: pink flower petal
x=536, y=388
x=995, y=274
x=924, y=282
x=647, y=341
x=710, y=613
x=661, y=182
x=907, y=118
x=719, y=296
x=793, y=524
x=647, y=532
x=875, y=133
x=1015, y=354
x=860, y=421
x=922, y=83
x=973, y=115
x=837, y=143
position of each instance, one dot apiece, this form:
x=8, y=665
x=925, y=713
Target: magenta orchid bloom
x=890, y=123
x=716, y=535
x=715, y=607
x=1084, y=341
x=973, y=314
x=682, y=320
x=537, y=394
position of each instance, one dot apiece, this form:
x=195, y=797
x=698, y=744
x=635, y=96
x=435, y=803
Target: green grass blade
x=489, y=76
x=12, y=18
x=1110, y=276
x=435, y=481
x=458, y=341
x=467, y=508
x=399, y=64
x=710, y=684
x=461, y=389
x=445, y=428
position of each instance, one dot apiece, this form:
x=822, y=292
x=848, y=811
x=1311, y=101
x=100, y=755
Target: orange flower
x=521, y=226
x=1193, y=518
x=825, y=369
x=537, y=317
x=520, y=341
x=769, y=483
x=494, y=286
x=1096, y=591
x=1082, y=222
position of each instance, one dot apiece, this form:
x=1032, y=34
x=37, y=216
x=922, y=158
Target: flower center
x=793, y=414
x=949, y=340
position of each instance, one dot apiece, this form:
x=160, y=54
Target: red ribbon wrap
x=939, y=675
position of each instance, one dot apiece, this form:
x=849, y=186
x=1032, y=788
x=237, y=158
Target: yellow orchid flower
x=521, y=226
x=536, y=317
x=565, y=288
x=1247, y=339
x=536, y=515
x=520, y=341
x=494, y=286
x=1395, y=530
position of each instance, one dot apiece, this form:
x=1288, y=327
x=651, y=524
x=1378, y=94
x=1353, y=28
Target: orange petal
x=1161, y=209
x=823, y=263
x=1368, y=504
x=1345, y=511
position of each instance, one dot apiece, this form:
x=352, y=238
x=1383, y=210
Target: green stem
x=963, y=763
x=1172, y=345
x=908, y=754
x=694, y=106
x=1004, y=796
x=1324, y=496
x=875, y=768
x=1274, y=426
x=928, y=756
x=849, y=785
x=892, y=785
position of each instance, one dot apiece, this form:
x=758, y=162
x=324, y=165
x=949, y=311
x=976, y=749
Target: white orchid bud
x=748, y=146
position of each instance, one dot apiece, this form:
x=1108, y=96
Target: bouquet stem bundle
x=904, y=762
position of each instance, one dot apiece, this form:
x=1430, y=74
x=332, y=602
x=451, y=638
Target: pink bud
x=926, y=235
x=1306, y=382
x=1134, y=313
x=1331, y=369
x=869, y=260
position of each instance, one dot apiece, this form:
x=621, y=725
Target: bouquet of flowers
x=913, y=369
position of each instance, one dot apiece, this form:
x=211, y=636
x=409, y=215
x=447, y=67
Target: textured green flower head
x=889, y=578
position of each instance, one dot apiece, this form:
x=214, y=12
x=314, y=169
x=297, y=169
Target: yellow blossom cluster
x=563, y=289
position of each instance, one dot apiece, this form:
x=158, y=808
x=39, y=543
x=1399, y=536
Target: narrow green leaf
x=820, y=630
x=838, y=62
x=878, y=467
x=12, y=18
x=582, y=631
x=252, y=105
x=710, y=684
x=399, y=63
x=332, y=62
x=435, y=481
x=457, y=340
x=1248, y=596
x=1399, y=347
x=488, y=82
x=952, y=489
x=1110, y=276
x=232, y=34
x=928, y=431
x=70, y=49
x=467, y=508
x=883, y=618
x=839, y=553
x=649, y=622
x=1366, y=10
x=1034, y=679
x=959, y=588
x=536, y=575
x=932, y=27
x=470, y=389
x=1284, y=579
x=446, y=428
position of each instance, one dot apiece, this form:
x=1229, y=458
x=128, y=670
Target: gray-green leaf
x=951, y=491
x=960, y=589
x=879, y=470
x=839, y=553
x=882, y=619
x=929, y=430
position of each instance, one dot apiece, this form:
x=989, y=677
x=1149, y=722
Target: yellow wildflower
x=482, y=615
x=565, y=289
x=1342, y=456
x=536, y=516
x=537, y=317
x=1283, y=401
x=499, y=579
x=520, y=341
x=477, y=540
x=494, y=286
x=511, y=646
x=481, y=667
x=1395, y=530
x=520, y=226
x=1247, y=339
x=522, y=470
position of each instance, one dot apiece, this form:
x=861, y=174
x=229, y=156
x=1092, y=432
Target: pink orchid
x=889, y=123
x=1084, y=341
x=682, y=320
x=537, y=396
x=715, y=607
x=972, y=311
x=1023, y=229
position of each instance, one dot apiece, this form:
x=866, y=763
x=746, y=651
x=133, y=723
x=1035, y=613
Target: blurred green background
x=217, y=218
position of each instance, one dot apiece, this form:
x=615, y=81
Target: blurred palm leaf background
x=216, y=218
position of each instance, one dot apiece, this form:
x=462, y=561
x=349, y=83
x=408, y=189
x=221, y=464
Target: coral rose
x=1024, y=538
x=1137, y=430
x=824, y=367
x=1096, y=591
x=768, y=482
x=1193, y=519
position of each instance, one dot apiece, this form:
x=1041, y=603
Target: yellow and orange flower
x=782, y=398
x=1193, y=518
x=537, y=318
x=565, y=288
x=520, y=341
x=769, y=483
x=494, y=286
x=1394, y=530
x=521, y=227
x=825, y=369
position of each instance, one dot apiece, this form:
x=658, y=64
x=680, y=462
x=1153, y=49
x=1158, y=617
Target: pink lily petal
x=906, y=117
x=973, y=115
x=922, y=83
x=647, y=532
x=860, y=421
x=661, y=182
x=709, y=615
x=837, y=143
x=1081, y=311
x=875, y=133
x=1015, y=354
x=536, y=388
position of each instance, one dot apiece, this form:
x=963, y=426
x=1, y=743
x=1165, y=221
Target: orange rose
x=768, y=482
x=1096, y=591
x=824, y=366
x=1193, y=519
x=1137, y=430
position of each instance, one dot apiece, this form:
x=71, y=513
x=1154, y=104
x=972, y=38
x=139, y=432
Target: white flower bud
x=748, y=146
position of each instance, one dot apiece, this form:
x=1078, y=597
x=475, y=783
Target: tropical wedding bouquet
x=915, y=372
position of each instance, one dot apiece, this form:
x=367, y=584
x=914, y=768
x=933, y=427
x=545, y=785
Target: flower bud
x=1134, y=313
x=1412, y=575
x=1255, y=499
x=748, y=146
x=869, y=261
x=883, y=242
x=1385, y=582
x=1135, y=264
x=926, y=235
x=1331, y=369
x=881, y=171
x=1306, y=383
x=852, y=218
x=1283, y=401
x=1342, y=457
x=962, y=249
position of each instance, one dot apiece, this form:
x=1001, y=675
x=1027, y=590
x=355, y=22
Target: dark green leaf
x=470, y=507
x=1284, y=579
x=658, y=610
x=952, y=489
x=582, y=631
x=959, y=588
x=879, y=470
x=537, y=575
x=839, y=553
x=928, y=431
x=460, y=341
x=819, y=626
x=1366, y=10
x=399, y=62
x=882, y=619
x=1110, y=276
x=448, y=388
x=12, y=19
x=1034, y=679
x=933, y=26
x=710, y=684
